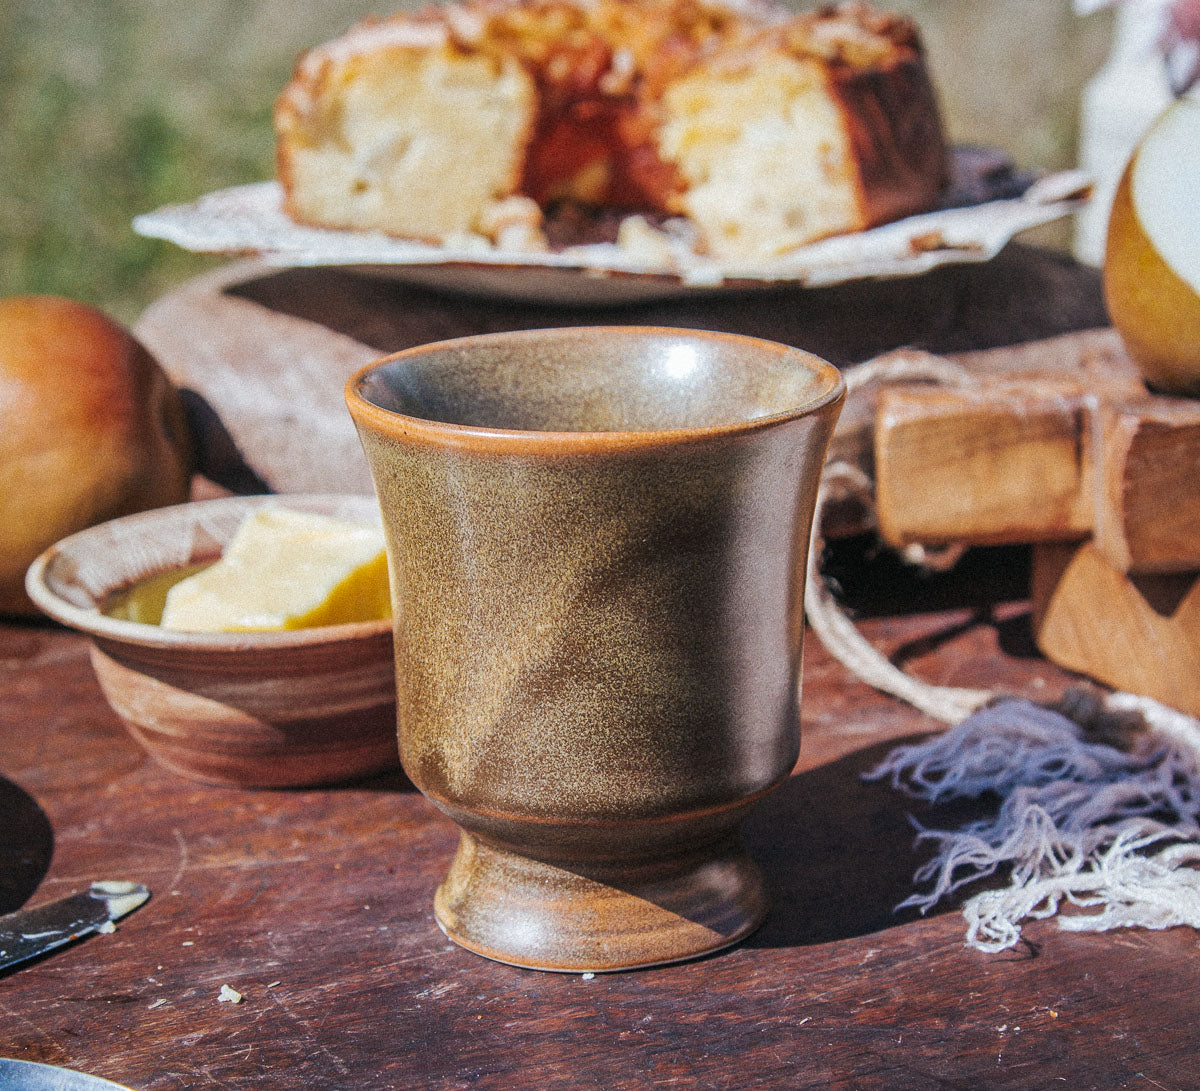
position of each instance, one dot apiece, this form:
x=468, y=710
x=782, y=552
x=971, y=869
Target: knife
x=28, y=933
x=31, y=1076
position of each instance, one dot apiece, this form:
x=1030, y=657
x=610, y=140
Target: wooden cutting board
x=264, y=353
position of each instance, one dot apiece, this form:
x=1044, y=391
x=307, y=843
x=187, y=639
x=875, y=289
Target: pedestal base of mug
x=598, y=917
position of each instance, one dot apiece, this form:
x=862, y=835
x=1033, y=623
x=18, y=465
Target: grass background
x=109, y=108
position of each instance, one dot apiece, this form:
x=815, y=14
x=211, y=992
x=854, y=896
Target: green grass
x=109, y=108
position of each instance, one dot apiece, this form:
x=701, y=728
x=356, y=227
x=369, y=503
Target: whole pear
x=1152, y=260
x=91, y=428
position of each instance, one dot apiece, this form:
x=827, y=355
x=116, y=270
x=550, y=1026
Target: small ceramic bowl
x=260, y=709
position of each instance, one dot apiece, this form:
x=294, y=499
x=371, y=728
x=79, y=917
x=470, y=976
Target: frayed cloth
x=1111, y=835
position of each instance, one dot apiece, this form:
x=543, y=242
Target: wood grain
x=1139, y=633
x=317, y=906
x=988, y=465
x=1148, y=484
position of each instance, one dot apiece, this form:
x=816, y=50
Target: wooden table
x=316, y=906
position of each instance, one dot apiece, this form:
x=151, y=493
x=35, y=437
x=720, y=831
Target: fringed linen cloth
x=1100, y=795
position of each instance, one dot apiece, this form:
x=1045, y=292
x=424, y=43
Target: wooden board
x=1147, y=510
x=266, y=353
x=317, y=906
x=1135, y=633
x=1043, y=460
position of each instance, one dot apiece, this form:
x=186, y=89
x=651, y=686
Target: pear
x=90, y=428
x=1152, y=260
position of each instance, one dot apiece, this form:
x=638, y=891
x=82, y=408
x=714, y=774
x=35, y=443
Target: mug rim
x=483, y=437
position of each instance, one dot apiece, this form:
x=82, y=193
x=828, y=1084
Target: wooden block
x=987, y=465
x=1136, y=633
x=1148, y=484
x=1090, y=359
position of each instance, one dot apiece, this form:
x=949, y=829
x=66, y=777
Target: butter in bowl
x=242, y=641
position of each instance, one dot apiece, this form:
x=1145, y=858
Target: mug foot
x=598, y=917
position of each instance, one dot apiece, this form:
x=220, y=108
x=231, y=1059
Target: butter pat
x=286, y=570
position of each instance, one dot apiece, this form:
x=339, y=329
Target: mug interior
x=598, y=379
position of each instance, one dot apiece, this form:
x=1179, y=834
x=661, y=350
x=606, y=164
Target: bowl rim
x=100, y=626
x=499, y=440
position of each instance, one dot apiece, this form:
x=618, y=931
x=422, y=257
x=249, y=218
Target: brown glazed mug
x=597, y=544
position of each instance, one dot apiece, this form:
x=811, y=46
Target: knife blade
x=28, y=933
x=31, y=1076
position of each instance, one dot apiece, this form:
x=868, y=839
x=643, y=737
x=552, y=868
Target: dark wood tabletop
x=316, y=905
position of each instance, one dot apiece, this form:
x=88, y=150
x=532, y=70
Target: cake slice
x=821, y=127
x=393, y=128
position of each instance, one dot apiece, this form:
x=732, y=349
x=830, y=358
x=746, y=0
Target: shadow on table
x=873, y=580
x=26, y=846
x=838, y=852
x=392, y=780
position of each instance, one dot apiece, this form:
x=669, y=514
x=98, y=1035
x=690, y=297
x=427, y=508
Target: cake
x=759, y=130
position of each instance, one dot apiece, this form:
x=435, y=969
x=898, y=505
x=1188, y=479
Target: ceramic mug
x=597, y=543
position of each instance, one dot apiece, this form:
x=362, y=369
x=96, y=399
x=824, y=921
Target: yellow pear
x=1152, y=261
x=90, y=428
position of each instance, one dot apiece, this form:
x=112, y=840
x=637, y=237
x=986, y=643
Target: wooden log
x=1139, y=633
x=1042, y=459
x=1093, y=358
x=1009, y=460
x=992, y=464
x=1147, y=501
